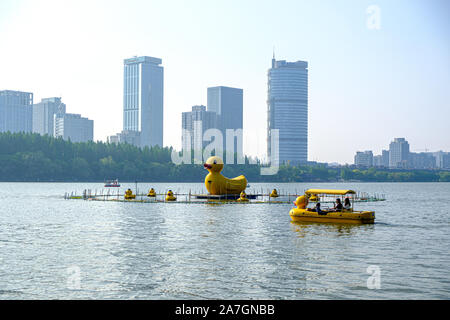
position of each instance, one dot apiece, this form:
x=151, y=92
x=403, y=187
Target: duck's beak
x=207, y=166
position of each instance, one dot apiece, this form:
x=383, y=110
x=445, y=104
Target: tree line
x=32, y=157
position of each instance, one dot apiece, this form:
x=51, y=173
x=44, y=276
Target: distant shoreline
x=36, y=158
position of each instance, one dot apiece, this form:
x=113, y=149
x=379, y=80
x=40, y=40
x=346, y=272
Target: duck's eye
x=215, y=162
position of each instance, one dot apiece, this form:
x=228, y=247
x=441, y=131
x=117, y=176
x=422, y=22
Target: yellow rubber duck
x=243, y=197
x=151, y=193
x=129, y=195
x=274, y=194
x=314, y=198
x=217, y=184
x=301, y=202
x=170, y=196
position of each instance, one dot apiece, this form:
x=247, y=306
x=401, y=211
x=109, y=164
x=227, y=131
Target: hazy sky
x=366, y=86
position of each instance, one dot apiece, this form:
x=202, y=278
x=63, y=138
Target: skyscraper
x=227, y=103
x=16, y=111
x=197, y=122
x=43, y=113
x=287, y=108
x=398, y=153
x=143, y=99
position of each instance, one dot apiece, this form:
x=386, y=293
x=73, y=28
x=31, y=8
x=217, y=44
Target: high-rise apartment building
x=227, y=103
x=143, y=99
x=398, y=153
x=288, y=110
x=196, y=122
x=73, y=127
x=364, y=159
x=43, y=115
x=16, y=111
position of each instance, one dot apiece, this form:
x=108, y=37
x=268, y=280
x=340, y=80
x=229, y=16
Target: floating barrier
x=199, y=197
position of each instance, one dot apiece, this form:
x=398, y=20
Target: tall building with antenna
x=287, y=110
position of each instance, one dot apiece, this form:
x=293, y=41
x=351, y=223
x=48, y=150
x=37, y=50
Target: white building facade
x=398, y=153
x=365, y=159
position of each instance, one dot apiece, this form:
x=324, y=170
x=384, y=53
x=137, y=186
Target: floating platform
x=224, y=196
x=199, y=198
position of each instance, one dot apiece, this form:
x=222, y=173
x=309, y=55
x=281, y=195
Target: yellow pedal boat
x=304, y=214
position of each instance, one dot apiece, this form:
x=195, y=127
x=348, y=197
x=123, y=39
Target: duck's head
x=301, y=202
x=170, y=193
x=214, y=164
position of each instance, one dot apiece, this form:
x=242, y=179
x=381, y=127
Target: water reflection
x=338, y=229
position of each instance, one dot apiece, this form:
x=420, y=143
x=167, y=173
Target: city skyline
x=379, y=81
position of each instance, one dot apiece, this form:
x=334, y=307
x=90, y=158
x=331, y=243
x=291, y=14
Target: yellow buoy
x=151, y=193
x=274, y=194
x=217, y=184
x=170, y=196
x=129, y=195
x=243, y=197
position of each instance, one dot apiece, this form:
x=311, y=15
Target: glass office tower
x=43, y=113
x=16, y=111
x=288, y=110
x=227, y=103
x=143, y=99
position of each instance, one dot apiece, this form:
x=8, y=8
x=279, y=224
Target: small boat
x=304, y=214
x=112, y=184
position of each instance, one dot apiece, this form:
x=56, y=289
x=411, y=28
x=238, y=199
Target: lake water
x=51, y=248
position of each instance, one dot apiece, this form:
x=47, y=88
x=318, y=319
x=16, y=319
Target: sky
x=369, y=80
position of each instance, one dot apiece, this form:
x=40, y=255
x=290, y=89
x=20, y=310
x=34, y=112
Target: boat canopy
x=329, y=191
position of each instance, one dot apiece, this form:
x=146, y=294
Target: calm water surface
x=230, y=251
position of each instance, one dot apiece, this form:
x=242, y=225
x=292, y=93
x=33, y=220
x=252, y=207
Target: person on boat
x=317, y=209
x=347, y=204
x=338, y=207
